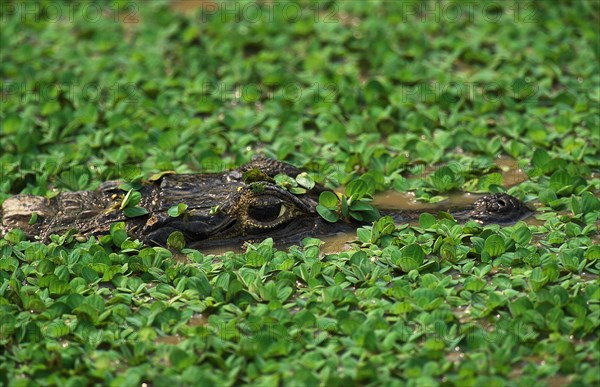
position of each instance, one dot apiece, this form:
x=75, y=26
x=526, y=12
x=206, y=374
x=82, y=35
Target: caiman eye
x=266, y=207
x=266, y=213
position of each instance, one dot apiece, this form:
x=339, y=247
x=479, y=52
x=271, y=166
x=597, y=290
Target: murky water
x=393, y=200
x=189, y=6
x=511, y=173
x=337, y=243
x=173, y=340
x=132, y=19
x=332, y=244
x=198, y=320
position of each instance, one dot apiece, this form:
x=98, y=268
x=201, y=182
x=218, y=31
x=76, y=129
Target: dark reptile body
x=92, y=212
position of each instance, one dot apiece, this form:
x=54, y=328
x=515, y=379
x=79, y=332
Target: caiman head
x=500, y=208
x=237, y=206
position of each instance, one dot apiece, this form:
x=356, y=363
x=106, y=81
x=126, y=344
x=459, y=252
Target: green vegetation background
x=342, y=89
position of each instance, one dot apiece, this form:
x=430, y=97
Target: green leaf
x=592, y=253
x=520, y=306
x=489, y=180
x=426, y=220
x=364, y=212
x=334, y=132
x=560, y=181
x=118, y=237
x=357, y=189
x=86, y=311
x=180, y=359
x=575, y=205
x=327, y=214
x=540, y=158
x=136, y=196
x=158, y=176
x=176, y=240
x=126, y=199
x=411, y=257
x=474, y=284
x=89, y=275
x=364, y=235
x=305, y=318
x=11, y=124
x=284, y=293
x=345, y=209
x=15, y=236
x=214, y=210
x=328, y=200
x=589, y=203
x=8, y=325
x=117, y=226
x=357, y=216
x=569, y=262
x=297, y=190
x=254, y=259
x=56, y=329
x=494, y=245
x=132, y=212
x=59, y=287
x=547, y=196
x=46, y=266
x=444, y=179
x=522, y=235
x=284, y=181
x=177, y=210
x=361, y=206
x=305, y=180
x=201, y=284
x=537, y=279
x=33, y=219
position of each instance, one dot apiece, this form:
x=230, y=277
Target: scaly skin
x=246, y=210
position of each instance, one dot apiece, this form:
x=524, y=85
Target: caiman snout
x=498, y=208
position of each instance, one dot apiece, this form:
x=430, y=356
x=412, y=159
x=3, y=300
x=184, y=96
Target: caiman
x=222, y=209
